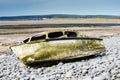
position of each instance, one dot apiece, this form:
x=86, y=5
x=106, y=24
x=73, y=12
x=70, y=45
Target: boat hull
x=57, y=50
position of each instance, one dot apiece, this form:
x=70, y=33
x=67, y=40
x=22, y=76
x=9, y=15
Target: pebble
x=118, y=75
x=87, y=79
x=99, y=78
x=68, y=74
x=105, y=67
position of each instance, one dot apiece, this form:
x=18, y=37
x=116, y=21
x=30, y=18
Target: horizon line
x=62, y=14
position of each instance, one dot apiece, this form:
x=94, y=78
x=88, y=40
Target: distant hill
x=41, y=17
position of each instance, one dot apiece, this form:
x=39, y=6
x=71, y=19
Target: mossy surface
x=58, y=51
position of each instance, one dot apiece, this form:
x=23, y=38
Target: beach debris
x=52, y=47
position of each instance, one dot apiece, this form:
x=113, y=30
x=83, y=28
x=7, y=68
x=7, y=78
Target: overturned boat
x=51, y=47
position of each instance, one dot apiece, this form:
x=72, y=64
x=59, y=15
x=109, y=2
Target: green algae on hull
x=56, y=46
x=55, y=50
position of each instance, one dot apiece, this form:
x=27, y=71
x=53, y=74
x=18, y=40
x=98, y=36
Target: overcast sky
x=41, y=7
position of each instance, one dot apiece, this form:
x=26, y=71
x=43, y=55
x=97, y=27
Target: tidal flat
x=101, y=67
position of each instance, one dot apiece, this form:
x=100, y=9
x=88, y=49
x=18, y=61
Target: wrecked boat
x=51, y=47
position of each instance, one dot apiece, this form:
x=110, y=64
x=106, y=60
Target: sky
x=44, y=7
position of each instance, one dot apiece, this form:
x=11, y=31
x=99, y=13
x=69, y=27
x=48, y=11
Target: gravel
x=106, y=67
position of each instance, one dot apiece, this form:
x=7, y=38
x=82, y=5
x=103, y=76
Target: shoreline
x=62, y=22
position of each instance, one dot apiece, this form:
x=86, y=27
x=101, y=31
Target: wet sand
x=12, y=32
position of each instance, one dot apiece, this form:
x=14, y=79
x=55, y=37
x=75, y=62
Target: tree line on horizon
x=41, y=17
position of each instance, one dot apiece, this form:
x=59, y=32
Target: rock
x=99, y=78
x=84, y=72
x=43, y=78
x=68, y=74
x=88, y=78
x=58, y=75
x=60, y=64
x=2, y=56
x=113, y=71
x=33, y=77
x=21, y=65
x=27, y=78
x=113, y=77
x=22, y=79
x=118, y=75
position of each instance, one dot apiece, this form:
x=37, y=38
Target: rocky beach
x=101, y=67
x=105, y=66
